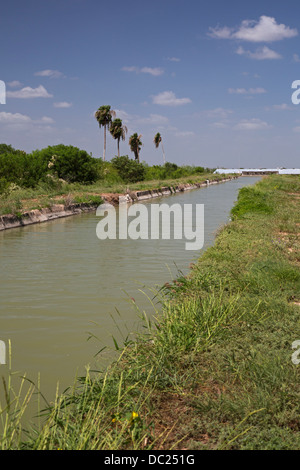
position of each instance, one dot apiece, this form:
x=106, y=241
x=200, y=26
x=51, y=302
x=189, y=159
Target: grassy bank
x=215, y=370
x=20, y=199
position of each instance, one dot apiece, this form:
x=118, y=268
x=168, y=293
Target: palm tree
x=158, y=140
x=118, y=131
x=135, y=144
x=104, y=117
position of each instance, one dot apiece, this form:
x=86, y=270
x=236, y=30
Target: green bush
x=69, y=163
x=107, y=172
x=155, y=172
x=5, y=148
x=171, y=170
x=22, y=169
x=129, y=170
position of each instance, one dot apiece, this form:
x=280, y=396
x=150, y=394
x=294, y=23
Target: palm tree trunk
x=118, y=147
x=164, y=157
x=104, y=147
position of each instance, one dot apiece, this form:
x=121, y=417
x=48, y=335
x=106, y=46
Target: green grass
x=21, y=199
x=213, y=370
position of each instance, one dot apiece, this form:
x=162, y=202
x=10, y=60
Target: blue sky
x=213, y=77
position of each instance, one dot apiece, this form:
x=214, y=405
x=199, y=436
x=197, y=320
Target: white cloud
x=220, y=33
x=62, y=104
x=252, y=124
x=243, y=91
x=18, y=118
x=296, y=129
x=262, y=53
x=220, y=125
x=168, y=98
x=220, y=113
x=123, y=115
x=28, y=92
x=266, y=29
x=156, y=119
x=14, y=84
x=155, y=71
x=49, y=73
x=223, y=115
x=173, y=59
x=296, y=58
x=46, y=120
x=14, y=118
x=135, y=120
x=282, y=107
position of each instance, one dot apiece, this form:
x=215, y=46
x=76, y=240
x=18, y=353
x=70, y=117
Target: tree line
x=54, y=166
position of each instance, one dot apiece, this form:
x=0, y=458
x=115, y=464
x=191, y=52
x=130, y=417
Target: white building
x=259, y=171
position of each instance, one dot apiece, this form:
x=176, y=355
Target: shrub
x=171, y=170
x=69, y=163
x=5, y=148
x=129, y=170
x=107, y=172
x=155, y=172
x=22, y=169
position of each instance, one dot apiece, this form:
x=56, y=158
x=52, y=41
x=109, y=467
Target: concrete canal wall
x=58, y=211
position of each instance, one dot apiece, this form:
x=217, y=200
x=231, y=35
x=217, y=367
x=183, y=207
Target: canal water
x=60, y=285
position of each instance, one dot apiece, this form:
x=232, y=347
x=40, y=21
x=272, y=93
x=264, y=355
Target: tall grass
x=12, y=409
